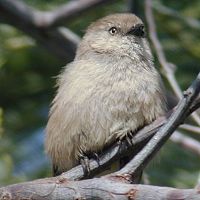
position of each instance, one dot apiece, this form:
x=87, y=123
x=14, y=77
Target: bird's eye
x=113, y=30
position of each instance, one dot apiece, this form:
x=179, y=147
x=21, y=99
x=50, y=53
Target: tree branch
x=191, y=128
x=97, y=188
x=168, y=68
x=65, y=12
x=186, y=142
x=37, y=24
x=47, y=19
x=193, y=23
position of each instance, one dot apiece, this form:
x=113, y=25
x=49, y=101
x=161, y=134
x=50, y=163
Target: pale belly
x=117, y=113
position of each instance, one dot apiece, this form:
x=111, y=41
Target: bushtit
x=110, y=90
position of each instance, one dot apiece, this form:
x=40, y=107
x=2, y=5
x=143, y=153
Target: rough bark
x=97, y=188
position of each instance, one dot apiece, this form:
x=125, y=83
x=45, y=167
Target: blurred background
x=27, y=79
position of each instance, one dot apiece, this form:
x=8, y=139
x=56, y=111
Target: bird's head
x=120, y=34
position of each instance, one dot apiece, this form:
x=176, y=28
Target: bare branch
x=59, y=42
x=47, y=19
x=66, y=12
x=193, y=23
x=186, y=142
x=37, y=24
x=168, y=68
x=195, y=105
x=97, y=188
x=190, y=128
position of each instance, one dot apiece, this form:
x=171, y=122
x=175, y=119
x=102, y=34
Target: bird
x=108, y=91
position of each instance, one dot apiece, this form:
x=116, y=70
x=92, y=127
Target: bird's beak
x=137, y=30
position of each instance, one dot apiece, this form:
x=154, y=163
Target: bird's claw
x=84, y=160
x=95, y=156
x=128, y=139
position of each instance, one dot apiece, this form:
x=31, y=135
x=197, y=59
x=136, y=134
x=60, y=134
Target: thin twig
x=193, y=23
x=190, y=128
x=186, y=142
x=168, y=68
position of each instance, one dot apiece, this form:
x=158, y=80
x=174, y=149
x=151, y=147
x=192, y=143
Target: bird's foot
x=84, y=160
x=127, y=138
x=95, y=157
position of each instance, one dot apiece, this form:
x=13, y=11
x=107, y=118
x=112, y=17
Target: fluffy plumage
x=110, y=89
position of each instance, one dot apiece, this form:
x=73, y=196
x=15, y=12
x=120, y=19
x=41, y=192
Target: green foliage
x=27, y=82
